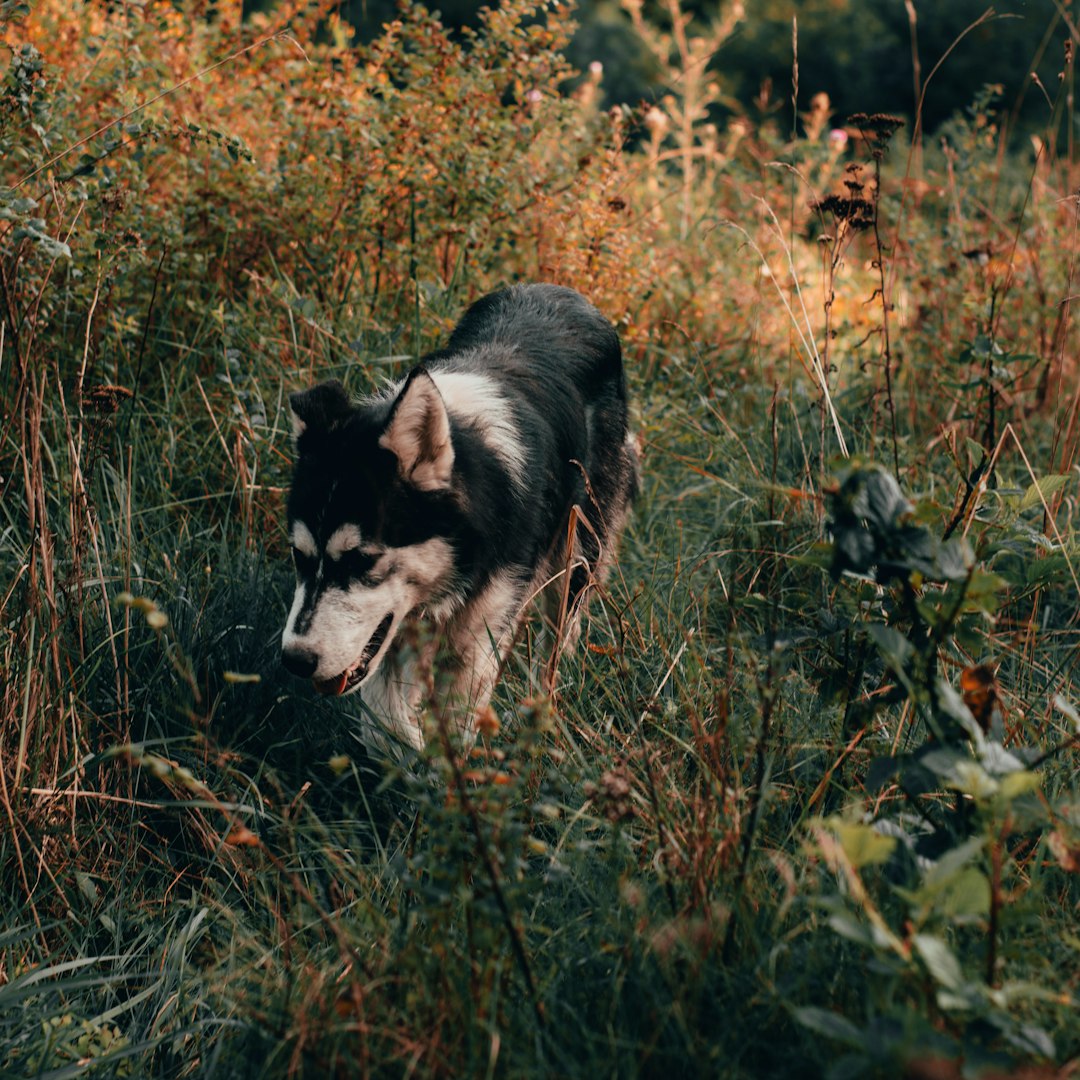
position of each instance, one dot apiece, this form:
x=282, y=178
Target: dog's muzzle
x=300, y=662
x=304, y=663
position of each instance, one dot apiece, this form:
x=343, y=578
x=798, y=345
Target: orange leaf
x=981, y=694
x=242, y=836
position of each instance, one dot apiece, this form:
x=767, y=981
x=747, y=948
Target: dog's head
x=370, y=520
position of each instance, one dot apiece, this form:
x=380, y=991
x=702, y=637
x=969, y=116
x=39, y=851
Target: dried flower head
x=106, y=399
x=855, y=212
x=881, y=125
x=612, y=794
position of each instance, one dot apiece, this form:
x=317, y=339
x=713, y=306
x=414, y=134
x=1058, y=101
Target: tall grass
x=803, y=801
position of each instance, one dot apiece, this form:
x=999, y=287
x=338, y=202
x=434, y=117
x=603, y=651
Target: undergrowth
x=803, y=802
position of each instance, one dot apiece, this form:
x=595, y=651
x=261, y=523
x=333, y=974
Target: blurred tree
x=859, y=52
x=605, y=35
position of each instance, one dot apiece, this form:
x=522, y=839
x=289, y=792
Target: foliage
x=803, y=802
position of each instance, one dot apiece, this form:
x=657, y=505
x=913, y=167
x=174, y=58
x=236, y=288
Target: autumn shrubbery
x=804, y=800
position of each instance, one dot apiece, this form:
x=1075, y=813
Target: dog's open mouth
x=348, y=679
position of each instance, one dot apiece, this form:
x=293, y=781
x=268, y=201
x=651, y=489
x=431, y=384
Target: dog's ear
x=320, y=409
x=418, y=434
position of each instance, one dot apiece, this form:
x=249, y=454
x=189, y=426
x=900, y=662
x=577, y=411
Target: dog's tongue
x=331, y=687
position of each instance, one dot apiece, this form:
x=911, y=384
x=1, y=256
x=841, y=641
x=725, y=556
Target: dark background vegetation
x=859, y=52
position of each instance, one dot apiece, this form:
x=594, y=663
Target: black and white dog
x=501, y=466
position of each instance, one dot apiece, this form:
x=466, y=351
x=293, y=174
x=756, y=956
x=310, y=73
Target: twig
x=768, y=700
x=654, y=798
x=516, y=944
x=142, y=346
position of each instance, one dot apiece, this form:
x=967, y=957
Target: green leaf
x=984, y=592
x=942, y=760
x=953, y=861
x=954, y=560
x=1030, y=1039
x=939, y=961
x=998, y=761
x=951, y=707
x=53, y=249
x=831, y=1025
x=862, y=844
x=967, y=894
x=1050, y=570
x=847, y=927
x=880, y=501
x=973, y=780
x=1043, y=489
x=87, y=887
x=1068, y=709
x=895, y=650
x=1018, y=783
x=951, y=887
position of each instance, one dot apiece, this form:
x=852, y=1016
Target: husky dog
x=499, y=466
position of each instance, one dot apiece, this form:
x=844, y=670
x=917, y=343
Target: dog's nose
x=300, y=662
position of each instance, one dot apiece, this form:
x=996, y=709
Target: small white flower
x=656, y=119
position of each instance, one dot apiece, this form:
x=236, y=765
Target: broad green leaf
x=954, y=559
x=862, y=844
x=880, y=499
x=942, y=762
x=87, y=887
x=849, y=928
x=973, y=780
x=1043, y=489
x=956, y=1000
x=951, y=887
x=967, y=894
x=1048, y=570
x=895, y=650
x=830, y=1024
x=1030, y=1039
x=984, y=591
x=998, y=761
x=939, y=961
x=1018, y=783
x=954, y=860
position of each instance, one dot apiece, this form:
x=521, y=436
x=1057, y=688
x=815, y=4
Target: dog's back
x=560, y=362
x=555, y=327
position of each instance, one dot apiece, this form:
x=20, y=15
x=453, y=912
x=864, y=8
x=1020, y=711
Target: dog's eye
x=357, y=563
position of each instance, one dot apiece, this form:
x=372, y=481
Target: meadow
x=803, y=802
